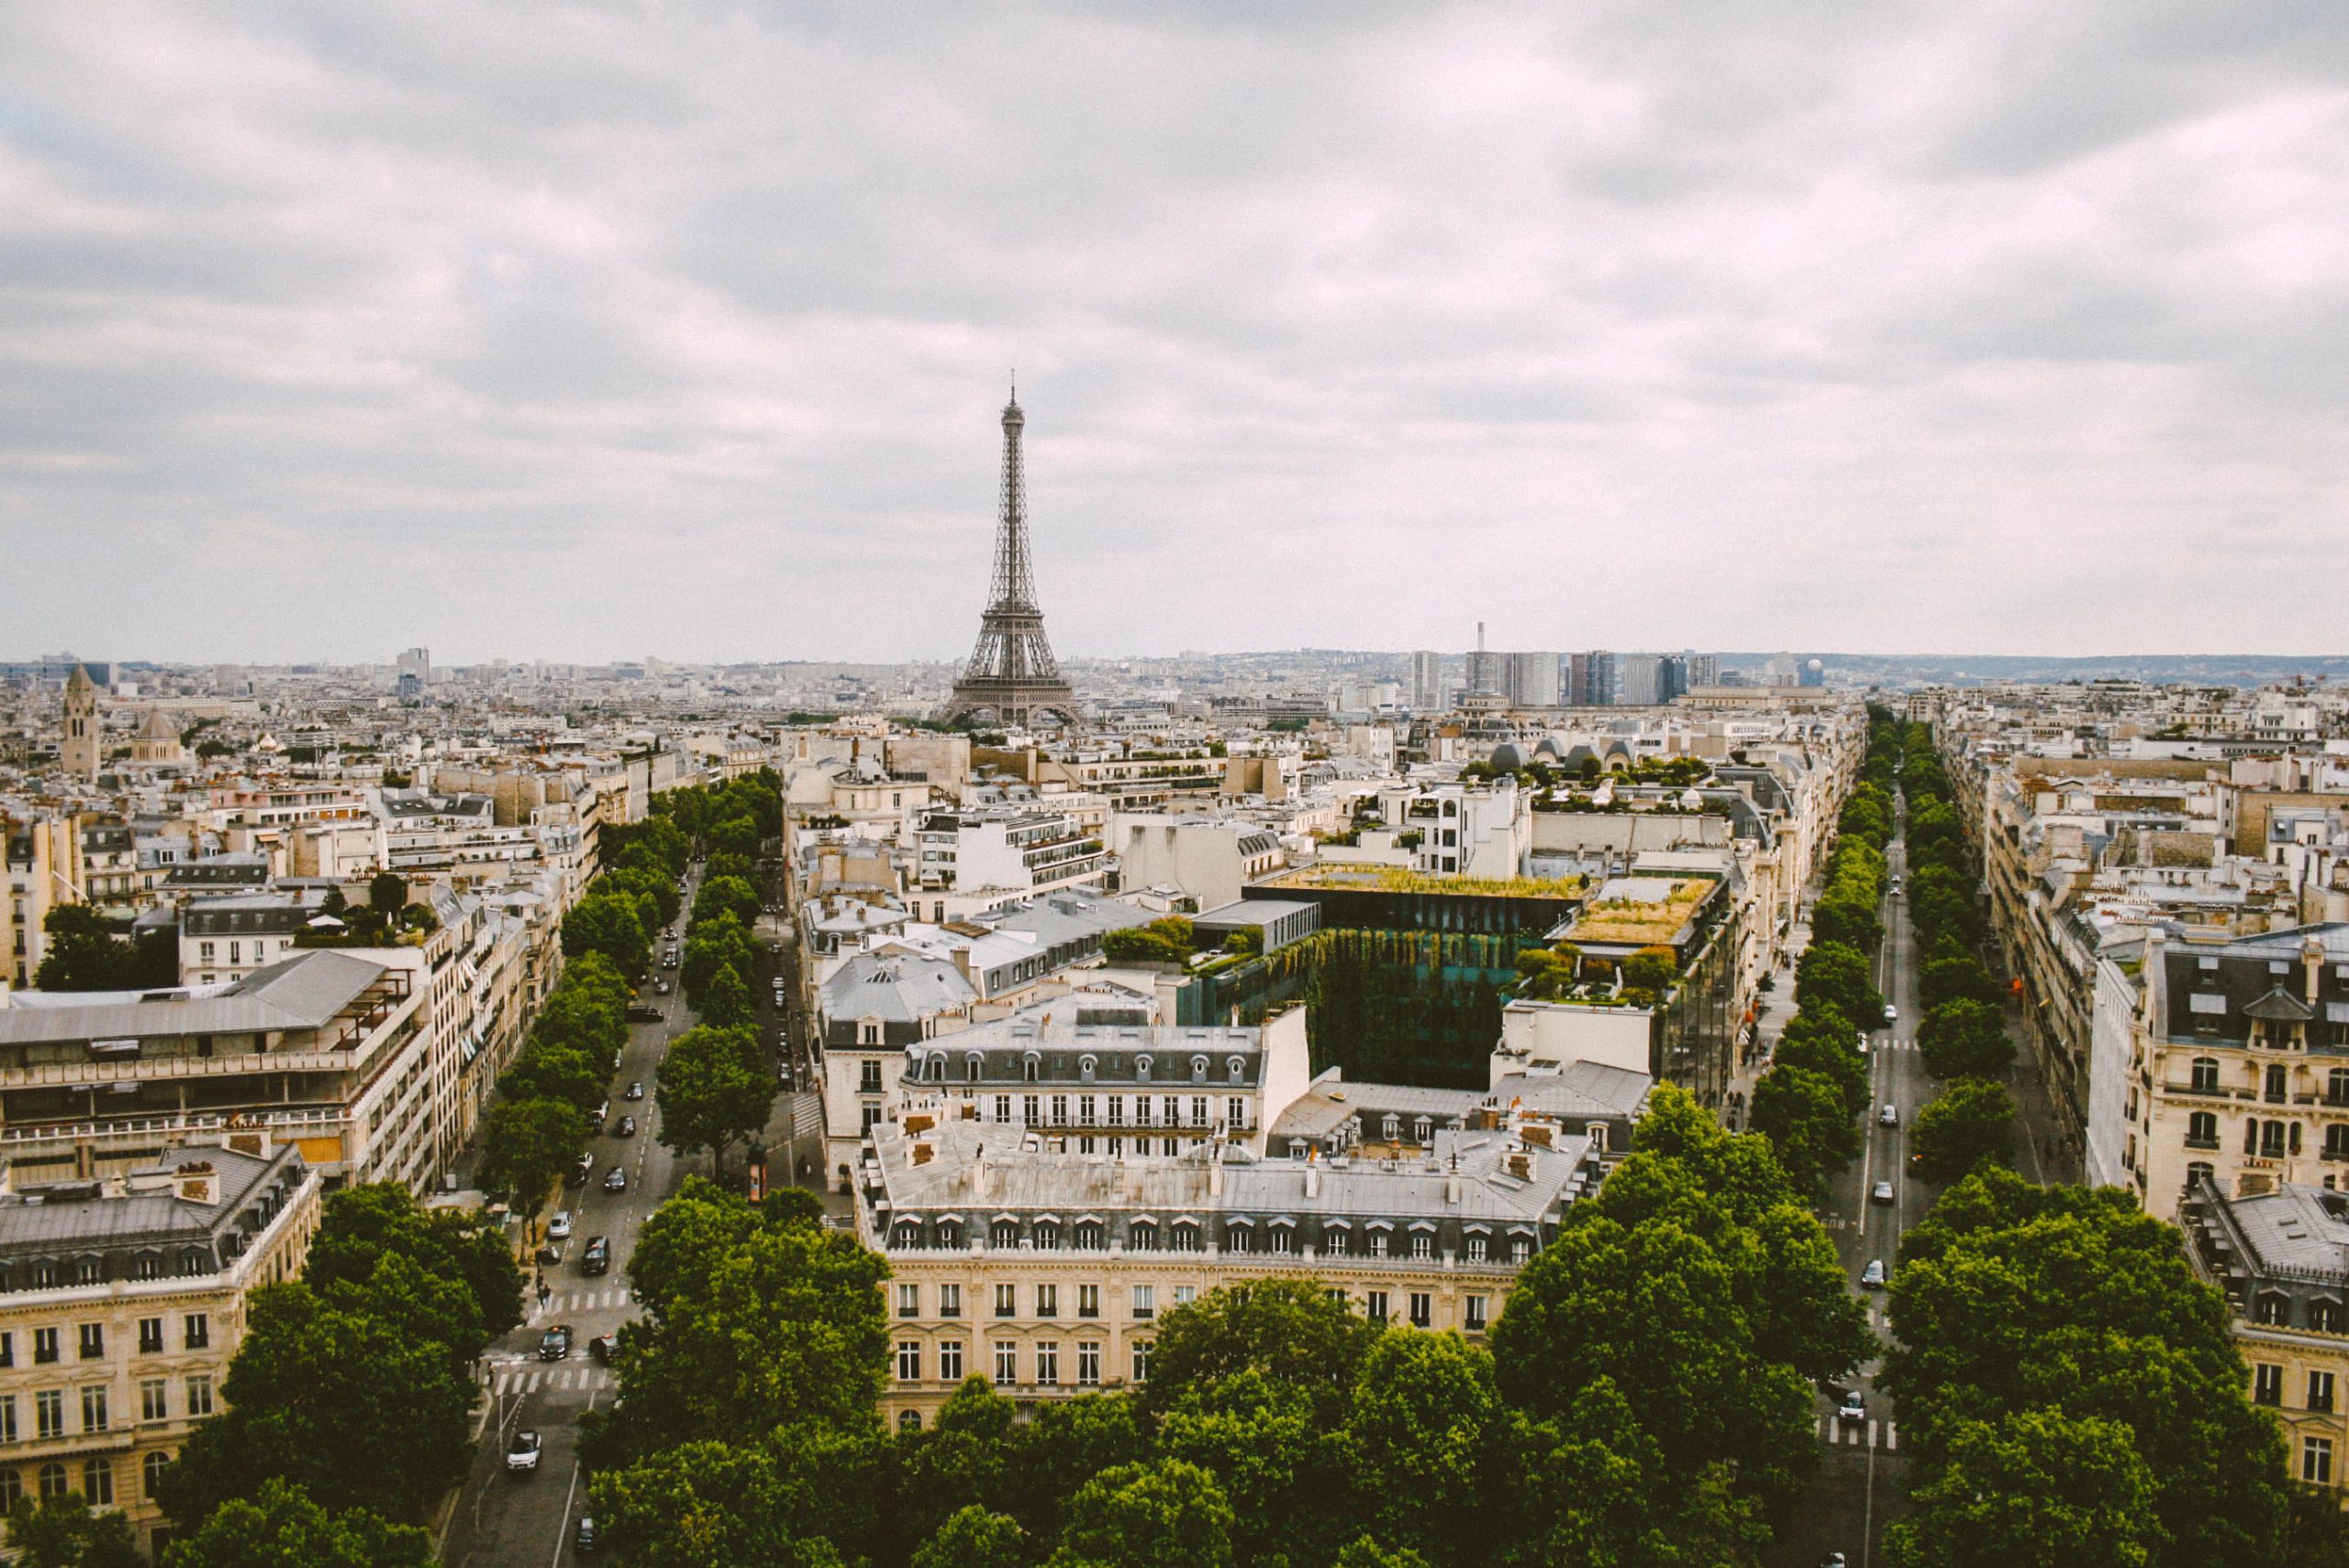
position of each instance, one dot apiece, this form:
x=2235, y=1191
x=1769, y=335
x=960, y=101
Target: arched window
x=1030, y=1067
x=1198, y=1070
x=2273, y=1308
x=53, y=1480
x=937, y=1065
x=1597, y=1132
x=2271, y=1140
x=1237, y=1070
x=1143, y=1236
x=971, y=1065
x=2200, y=1170
x=908, y=1421
x=98, y=1483
x=2251, y=1136
x=1048, y=1235
x=2202, y=1130
x=1003, y=1235
x=12, y=1486
x=2205, y=1075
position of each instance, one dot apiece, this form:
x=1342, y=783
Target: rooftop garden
x=1402, y=879
x=1643, y=921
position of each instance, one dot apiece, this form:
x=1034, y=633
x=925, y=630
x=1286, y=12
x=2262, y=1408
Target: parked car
x=1879, y=1194
x=627, y=1128
x=583, y=1170
x=616, y=1180
x=597, y=1258
x=585, y=1537
x=1889, y=1116
x=783, y=1074
x=522, y=1453
x=1854, y=1408
x=644, y=1015
x=559, y=1227
x=660, y=987
x=554, y=1345
x=1872, y=1276
x=635, y=1089
x=549, y=1253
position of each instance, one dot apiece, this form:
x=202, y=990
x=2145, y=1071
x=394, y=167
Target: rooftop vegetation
x=1402, y=879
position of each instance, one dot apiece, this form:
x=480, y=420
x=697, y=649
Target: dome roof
x=1548, y=747
x=1506, y=757
x=156, y=726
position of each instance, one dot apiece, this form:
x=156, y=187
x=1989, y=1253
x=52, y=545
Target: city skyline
x=562, y=332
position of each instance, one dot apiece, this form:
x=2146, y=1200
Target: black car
x=597, y=1258
x=635, y=1089
x=586, y=1538
x=644, y=1015
x=603, y=1347
x=583, y=1170
x=626, y=1127
x=554, y=1345
x=617, y=1182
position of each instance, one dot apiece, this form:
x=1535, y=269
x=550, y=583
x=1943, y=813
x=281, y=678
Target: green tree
x=713, y=1504
x=1809, y=1122
x=974, y=1538
x=1962, y=978
x=388, y=893
x=2034, y=1489
x=1837, y=973
x=715, y=944
x=526, y=1147
x=63, y=1532
x=1425, y=1414
x=1163, y=1515
x=1972, y=1121
x=608, y=923
x=1275, y=1464
x=281, y=1527
x=1363, y=1552
x=83, y=952
x=1289, y=1330
x=363, y=1225
x=1651, y=969
x=712, y=1091
x=735, y=835
x=727, y=895
x=340, y=1402
x=727, y=1004
x=1965, y=1039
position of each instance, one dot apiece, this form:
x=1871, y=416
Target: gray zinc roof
x=305, y=991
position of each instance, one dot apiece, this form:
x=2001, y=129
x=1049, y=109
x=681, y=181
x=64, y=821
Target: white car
x=522, y=1453
x=559, y=1227
x=1891, y=1013
x=1889, y=1116
x=1854, y=1408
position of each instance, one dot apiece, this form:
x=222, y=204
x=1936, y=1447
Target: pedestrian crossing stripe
x=568, y=1301
x=581, y=1378
x=1880, y=1434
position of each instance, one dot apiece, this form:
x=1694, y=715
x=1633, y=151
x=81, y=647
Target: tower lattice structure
x=1012, y=672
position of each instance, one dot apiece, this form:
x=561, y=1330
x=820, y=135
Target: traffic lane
x=523, y=1519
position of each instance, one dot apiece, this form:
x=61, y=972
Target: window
x=1088, y=1235
x=1476, y=1249
x=1144, y=1301
x=1186, y=1293
x=196, y=1331
x=2321, y=1391
x=2202, y=1130
x=908, y=1361
x=2324, y=1315
x=1088, y=1301
x=1028, y=1110
x=1117, y=1106
x=1235, y=1113
x=1027, y=1070
x=868, y=1077
x=1006, y=1364
x=1048, y=1301
x=1003, y=1235
x=151, y=1336
x=2315, y=1460
x=907, y=1236
x=199, y=1395
x=1089, y=1363
x=150, y=1474
x=154, y=1399
x=93, y=1408
x=2278, y=1086
x=1141, y=1072
x=1086, y=1111
x=1423, y=1244
x=909, y=1301
x=1240, y=1239
x=1048, y=1235
x=44, y=1345
x=2266, y=1385
x=1374, y=1305
x=98, y=1483
x=1003, y=1107
x=1141, y=1110
x=949, y=1233
x=1281, y=1238
x=48, y=1413
x=1144, y=1236
x=949, y=1301
x=1170, y=1110
x=1187, y=1237
x=1378, y=1243
x=1520, y=1249
x=1048, y=1363
x=1005, y=1303
x=1142, y=1360
x=1198, y=1110
x=2336, y=1086
x=52, y=1481
x=12, y=1486
x=908, y=1421
x=1085, y=1065
x=1336, y=1243
x=44, y=1273
x=1477, y=1306
x=2205, y=1075
x=1422, y=1309
x=2273, y=1308
x=1060, y=1110
x=7, y=1344
x=949, y=1360
x=7, y=1418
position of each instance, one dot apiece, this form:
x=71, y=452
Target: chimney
x=198, y=1183
x=1215, y=1169
x=1451, y=1181
x=2313, y=964
x=981, y=1178
x=1313, y=1173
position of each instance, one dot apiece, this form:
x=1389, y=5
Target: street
x=523, y=1520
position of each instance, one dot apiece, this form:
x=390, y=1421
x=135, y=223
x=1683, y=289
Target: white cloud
x=584, y=331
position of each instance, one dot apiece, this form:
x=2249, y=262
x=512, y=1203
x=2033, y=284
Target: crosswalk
x=807, y=1116
x=1897, y=1042
x=508, y=1384
x=1880, y=1434
x=564, y=1302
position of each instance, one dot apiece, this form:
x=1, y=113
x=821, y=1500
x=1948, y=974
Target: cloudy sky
x=594, y=331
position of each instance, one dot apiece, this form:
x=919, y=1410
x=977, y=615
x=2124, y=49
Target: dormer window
x=1085, y=1065
x=1236, y=1070
x=1030, y=1067
x=971, y=1066
x=1141, y=1069
x=1198, y=1070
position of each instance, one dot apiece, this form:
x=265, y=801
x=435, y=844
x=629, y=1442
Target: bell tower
x=77, y=752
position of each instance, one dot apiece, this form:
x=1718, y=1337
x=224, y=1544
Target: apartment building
x=121, y=1305
x=230, y=937
x=327, y=1050
x=1013, y=848
x=1045, y=1269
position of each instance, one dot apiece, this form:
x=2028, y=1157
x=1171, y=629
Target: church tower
x=77, y=752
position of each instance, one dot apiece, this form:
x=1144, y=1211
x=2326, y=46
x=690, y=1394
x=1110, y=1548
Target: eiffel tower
x=1012, y=674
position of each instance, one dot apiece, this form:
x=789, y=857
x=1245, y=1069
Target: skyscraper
x=1427, y=680
x=1012, y=672
x=1532, y=679
x=1484, y=667
x=1590, y=678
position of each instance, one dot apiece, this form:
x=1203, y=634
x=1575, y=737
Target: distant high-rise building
x=414, y=671
x=1532, y=679
x=1671, y=676
x=1812, y=672
x=1638, y=680
x=1485, y=672
x=1590, y=678
x=78, y=751
x=1427, y=680
x=1704, y=669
